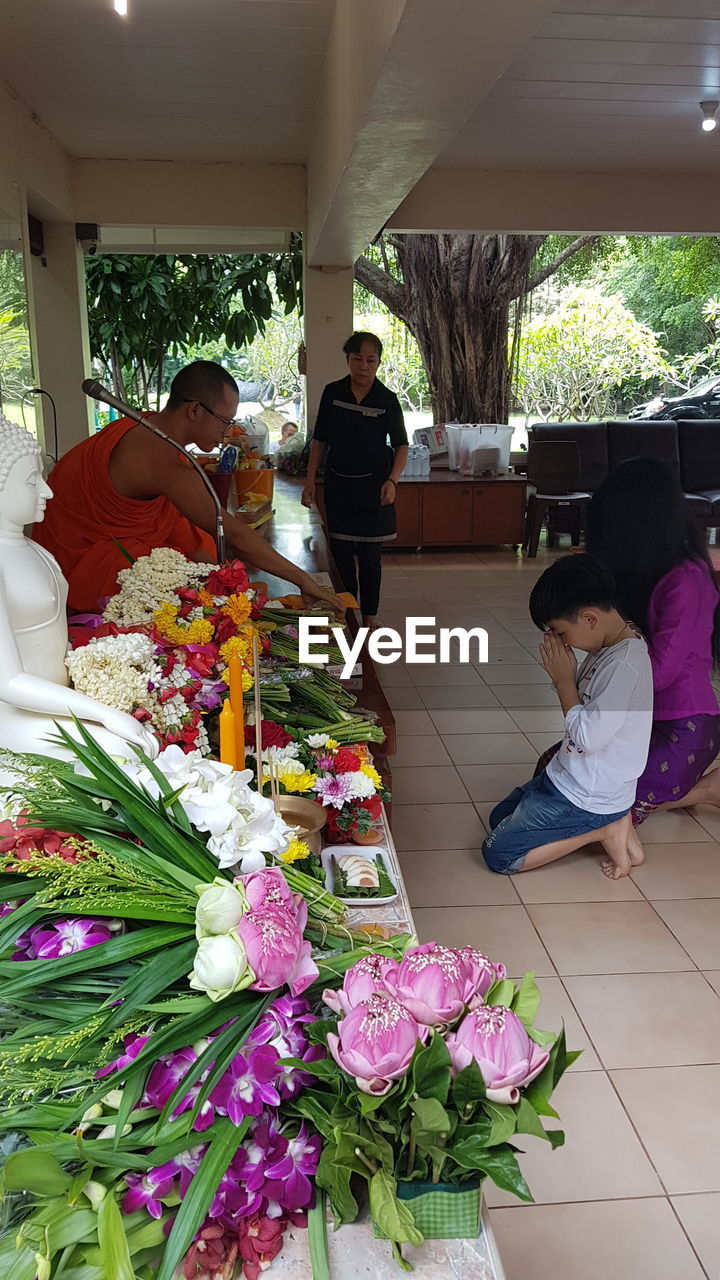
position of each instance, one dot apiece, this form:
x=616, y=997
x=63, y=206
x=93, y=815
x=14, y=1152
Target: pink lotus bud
x=268, y=888
x=375, y=1042
x=496, y=1039
x=481, y=972
x=431, y=982
x=366, y=976
x=276, y=950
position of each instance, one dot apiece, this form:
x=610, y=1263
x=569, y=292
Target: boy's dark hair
x=203, y=380
x=570, y=585
x=354, y=343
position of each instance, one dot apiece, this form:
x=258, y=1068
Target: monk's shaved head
x=204, y=381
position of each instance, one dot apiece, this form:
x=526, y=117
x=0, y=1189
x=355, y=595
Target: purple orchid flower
x=132, y=1045
x=68, y=936
x=247, y=1085
x=146, y=1191
x=288, y=1181
x=166, y=1076
x=186, y=1165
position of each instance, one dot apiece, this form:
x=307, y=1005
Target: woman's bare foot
x=706, y=791
x=636, y=853
x=615, y=843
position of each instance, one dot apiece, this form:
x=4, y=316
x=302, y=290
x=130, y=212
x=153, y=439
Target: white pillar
x=328, y=324
x=57, y=311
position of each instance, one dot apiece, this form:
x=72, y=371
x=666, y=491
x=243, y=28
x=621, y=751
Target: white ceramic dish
x=368, y=851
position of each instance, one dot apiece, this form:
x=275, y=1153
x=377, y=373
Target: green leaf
x=502, y=1122
x=502, y=992
x=37, y=1172
x=430, y=1116
x=200, y=1193
x=500, y=1164
x=528, y=1121
x=431, y=1069
x=393, y=1218
x=527, y=1000
x=16, y=1263
x=335, y=1179
x=468, y=1087
x=33, y=973
x=317, y=1239
x=114, y=1250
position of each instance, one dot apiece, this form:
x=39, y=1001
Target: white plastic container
x=470, y=442
x=453, y=431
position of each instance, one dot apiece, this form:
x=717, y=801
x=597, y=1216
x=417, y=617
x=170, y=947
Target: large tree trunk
x=456, y=293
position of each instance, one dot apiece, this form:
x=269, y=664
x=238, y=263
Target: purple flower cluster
x=270, y=1171
x=63, y=938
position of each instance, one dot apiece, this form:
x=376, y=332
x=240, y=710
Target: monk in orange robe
x=126, y=489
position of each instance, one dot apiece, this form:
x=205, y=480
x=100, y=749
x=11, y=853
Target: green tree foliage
x=145, y=307
x=15, y=357
x=573, y=362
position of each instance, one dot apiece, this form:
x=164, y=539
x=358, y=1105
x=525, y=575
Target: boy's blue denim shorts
x=531, y=816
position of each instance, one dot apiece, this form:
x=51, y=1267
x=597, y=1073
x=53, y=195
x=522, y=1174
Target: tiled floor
x=631, y=967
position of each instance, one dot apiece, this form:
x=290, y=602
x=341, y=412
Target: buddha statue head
x=23, y=491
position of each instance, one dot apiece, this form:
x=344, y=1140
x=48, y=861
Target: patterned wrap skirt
x=680, y=753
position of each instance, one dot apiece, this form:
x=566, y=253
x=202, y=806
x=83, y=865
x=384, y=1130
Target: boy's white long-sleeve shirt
x=606, y=741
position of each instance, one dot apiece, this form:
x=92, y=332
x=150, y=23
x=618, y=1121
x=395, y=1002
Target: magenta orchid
x=146, y=1191
x=65, y=937
x=132, y=1045
x=247, y=1085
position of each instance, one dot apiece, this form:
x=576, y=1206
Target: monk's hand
x=312, y=592
x=387, y=493
x=308, y=494
x=558, y=660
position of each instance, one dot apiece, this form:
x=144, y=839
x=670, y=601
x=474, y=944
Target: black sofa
x=690, y=447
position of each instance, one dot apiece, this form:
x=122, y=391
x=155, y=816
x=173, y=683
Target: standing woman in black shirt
x=356, y=418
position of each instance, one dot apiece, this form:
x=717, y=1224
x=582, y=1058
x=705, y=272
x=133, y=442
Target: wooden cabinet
x=447, y=515
x=498, y=514
x=408, y=507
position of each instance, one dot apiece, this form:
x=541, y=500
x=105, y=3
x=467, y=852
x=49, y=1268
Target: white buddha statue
x=34, y=690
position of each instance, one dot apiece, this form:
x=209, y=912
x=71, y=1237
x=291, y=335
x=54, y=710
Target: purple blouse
x=680, y=626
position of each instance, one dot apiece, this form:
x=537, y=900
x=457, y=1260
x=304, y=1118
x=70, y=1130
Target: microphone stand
x=96, y=391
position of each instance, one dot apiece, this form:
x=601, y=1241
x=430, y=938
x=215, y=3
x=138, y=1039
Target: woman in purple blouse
x=638, y=525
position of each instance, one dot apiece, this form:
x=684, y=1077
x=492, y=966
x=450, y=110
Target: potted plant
x=433, y=1066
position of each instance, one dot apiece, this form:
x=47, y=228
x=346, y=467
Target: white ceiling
x=176, y=79
x=603, y=85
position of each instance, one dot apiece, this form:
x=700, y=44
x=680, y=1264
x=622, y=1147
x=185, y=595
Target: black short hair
x=203, y=380
x=355, y=341
x=570, y=585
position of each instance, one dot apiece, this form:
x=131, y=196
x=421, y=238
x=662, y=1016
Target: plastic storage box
x=466, y=439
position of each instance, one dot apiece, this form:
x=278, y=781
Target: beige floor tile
x=709, y=818
x=557, y=1010
x=713, y=977
x=421, y=748
x=393, y=675
x=453, y=878
x=608, y=1240
x=680, y=871
x=444, y=674
x=503, y=933
x=404, y=698
x=473, y=720
x=539, y=720
x=506, y=654
x=675, y=1114
x=533, y=695
x=450, y=697
x=700, y=1216
x=676, y=827
x=517, y=674
x=492, y=781
x=576, y=878
x=608, y=937
x=490, y=748
x=649, y=1019
x=436, y=826
x=601, y=1159
x=414, y=722
x=427, y=784
x=696, y=925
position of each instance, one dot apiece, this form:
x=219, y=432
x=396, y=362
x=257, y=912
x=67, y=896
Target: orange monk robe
x=86, y=513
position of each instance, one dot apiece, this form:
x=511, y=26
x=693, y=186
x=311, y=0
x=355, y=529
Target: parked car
x=702, y=401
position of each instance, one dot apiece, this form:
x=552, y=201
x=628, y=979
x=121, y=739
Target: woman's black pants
x=368, y=570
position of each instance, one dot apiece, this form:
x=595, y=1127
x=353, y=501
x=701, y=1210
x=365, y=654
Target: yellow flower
x=198, y=632
x=240, y=644
x=331, y=745
x=247, y=679
x=237, y=608
x=295, y=852
x=298, y=781
x=205, y=598
x=372, y=774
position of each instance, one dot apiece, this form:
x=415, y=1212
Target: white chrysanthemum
x=316, y=739
x=361, y=787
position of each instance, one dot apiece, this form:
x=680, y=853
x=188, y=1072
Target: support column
x=57, y=311
x=328, y=324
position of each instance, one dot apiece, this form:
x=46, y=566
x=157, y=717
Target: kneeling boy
x=586, y=791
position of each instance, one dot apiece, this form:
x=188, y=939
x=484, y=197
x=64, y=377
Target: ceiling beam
x=401, y=77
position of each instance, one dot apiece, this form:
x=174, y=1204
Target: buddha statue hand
x=127, y=727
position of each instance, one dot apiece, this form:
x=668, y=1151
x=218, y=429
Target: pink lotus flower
x=269, y=888
x=370, y=974
x=375, y=1042
x=431, y=981
x=482, y=973
x=276, y=950
x=67, y=936
x=496, y=1039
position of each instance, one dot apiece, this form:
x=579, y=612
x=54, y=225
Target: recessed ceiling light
x=709, y=110
x=121, y=7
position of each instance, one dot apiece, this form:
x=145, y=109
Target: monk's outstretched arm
x=184, y=488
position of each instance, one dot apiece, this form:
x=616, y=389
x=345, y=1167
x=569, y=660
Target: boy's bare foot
x=615, y=843
x=636, y=853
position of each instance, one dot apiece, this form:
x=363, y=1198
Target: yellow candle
x=228, y=741
x=238, y=708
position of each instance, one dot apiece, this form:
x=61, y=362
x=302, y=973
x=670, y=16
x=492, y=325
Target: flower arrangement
x=434, y=1065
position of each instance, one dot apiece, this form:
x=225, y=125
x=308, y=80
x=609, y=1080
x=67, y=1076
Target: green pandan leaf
x=114, y=1249
x=393, y=1218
